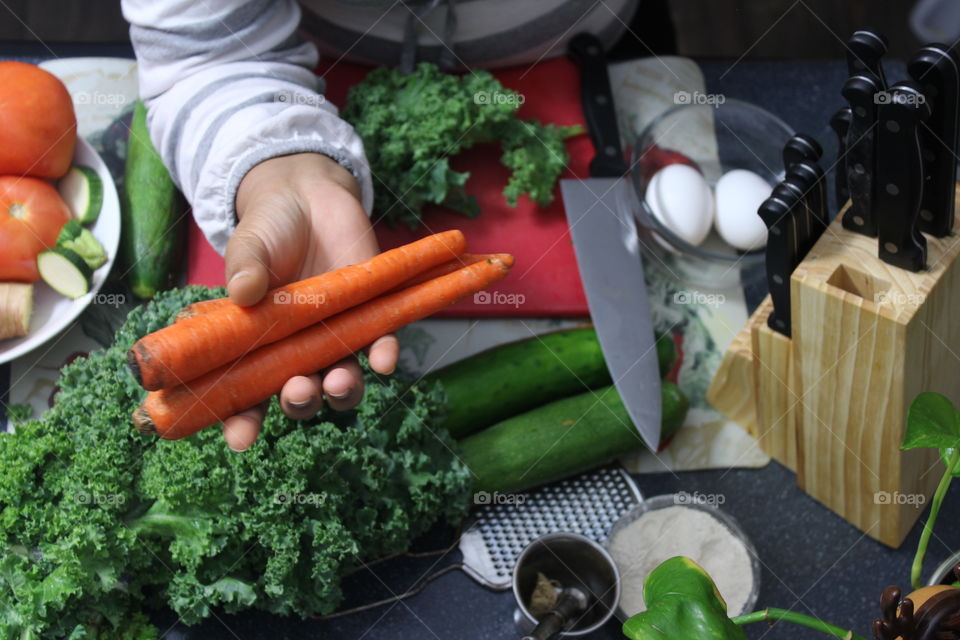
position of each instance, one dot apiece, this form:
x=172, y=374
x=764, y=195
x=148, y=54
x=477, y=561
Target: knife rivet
x=860, y=111
x=926, y=214
x=892, y=189
x=858, y=220
x=777, y=279
x=601, y=99
x=610, y=151
x=928, y=156
x=893, y=126
x=889, y=247
x=858, y=167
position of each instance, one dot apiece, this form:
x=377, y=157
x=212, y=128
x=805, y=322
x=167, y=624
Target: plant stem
x=928, y=525
x=796, y=618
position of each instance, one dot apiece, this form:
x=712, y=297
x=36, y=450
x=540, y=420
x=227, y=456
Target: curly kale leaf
x=412, y=124
x=98, y=522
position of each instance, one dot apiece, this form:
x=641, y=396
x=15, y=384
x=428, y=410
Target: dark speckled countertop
x=813, y=561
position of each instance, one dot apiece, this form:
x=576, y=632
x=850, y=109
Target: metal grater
x=588, y=504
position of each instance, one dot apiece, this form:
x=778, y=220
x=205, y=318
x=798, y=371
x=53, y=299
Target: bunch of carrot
x=218, y=358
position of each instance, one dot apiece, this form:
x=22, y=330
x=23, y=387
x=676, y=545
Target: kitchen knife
x=936, y=71
x=862, y=92
x=798, y=188
x=815, y=199
x=778, y=213
x=840, y=123
x=899, y=177
x=607, y=247
x=865, y=49
x=804, y=149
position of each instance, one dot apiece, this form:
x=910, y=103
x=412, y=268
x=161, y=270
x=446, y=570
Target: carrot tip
x=134, y=365
x=143, y=422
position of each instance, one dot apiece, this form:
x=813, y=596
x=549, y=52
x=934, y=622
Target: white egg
x=739, y=193
x=681, y=200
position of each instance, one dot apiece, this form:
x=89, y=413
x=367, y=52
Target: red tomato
x=31, y=216
x=38, y=128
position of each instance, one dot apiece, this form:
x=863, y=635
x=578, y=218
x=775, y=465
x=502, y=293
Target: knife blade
x=606, y=245
x=840, y=123
x=936, y=70
x=899, y=177
x=778, y=213
x=862, y=92
x=865, y=49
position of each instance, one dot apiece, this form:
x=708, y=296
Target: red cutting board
x=544, y=281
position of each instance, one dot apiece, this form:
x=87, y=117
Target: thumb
x=247, y=257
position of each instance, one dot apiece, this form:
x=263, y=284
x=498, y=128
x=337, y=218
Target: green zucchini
x=515, y=377
x=560, y=439
x=65, y=271
x=82, y=189
x=152, y=209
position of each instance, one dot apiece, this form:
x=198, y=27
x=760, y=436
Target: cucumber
x=66, y=272
x=511, y=378
x=560, y=439
x=82, y=189
x=151, y=210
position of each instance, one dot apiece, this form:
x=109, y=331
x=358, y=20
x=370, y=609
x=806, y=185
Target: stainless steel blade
x=607, y=247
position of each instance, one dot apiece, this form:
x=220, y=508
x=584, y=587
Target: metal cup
x=579, y=565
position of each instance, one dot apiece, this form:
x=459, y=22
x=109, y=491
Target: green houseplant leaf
x=932, y=422
x=682, y=602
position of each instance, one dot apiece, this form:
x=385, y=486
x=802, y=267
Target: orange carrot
x=186, y=409
x=193, y=346
x=450, y=266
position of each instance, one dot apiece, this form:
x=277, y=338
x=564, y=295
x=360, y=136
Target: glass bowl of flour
x=683, y=524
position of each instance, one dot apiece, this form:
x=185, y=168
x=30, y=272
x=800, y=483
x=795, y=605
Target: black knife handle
x=900, y=178
x=777, y=213
x=863, y=94
x=598, y=108
x=865, y=49
x=810, y=174
x=840, y=123
x=800, y=148
x=935, y=70
x=794, y=190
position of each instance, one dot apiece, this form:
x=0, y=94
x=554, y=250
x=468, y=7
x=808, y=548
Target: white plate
x=52, y=312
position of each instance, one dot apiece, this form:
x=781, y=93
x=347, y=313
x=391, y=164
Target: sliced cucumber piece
x=65, y=271
x=82, y=189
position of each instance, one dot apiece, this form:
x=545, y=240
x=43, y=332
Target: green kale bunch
x=97, y=522
x=412, y=124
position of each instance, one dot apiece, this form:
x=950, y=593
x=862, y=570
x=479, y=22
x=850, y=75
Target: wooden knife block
x=831, y=403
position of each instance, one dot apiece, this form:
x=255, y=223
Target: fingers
x=384, y=353
x=247, y=258
x=241, y=430
x=343, y=384
x=301, y=397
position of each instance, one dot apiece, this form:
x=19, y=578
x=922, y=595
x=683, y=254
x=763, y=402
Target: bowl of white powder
x=663, y=527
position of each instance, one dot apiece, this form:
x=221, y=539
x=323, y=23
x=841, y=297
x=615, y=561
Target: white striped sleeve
x=229, y=84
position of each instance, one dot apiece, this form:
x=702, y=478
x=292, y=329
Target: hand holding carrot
x=300, y=215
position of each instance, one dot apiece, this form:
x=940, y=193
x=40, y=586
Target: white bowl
x=52, y=312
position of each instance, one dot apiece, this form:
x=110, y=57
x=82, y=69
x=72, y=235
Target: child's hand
x=300, y=215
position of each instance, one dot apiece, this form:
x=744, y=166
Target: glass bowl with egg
x=700, y=172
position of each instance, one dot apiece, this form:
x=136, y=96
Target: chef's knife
x=899, y=178
x=840, y=123
x=935, y=69
x=778, y=214
x=863, y=93
x=865, y=49
x=606, y=244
